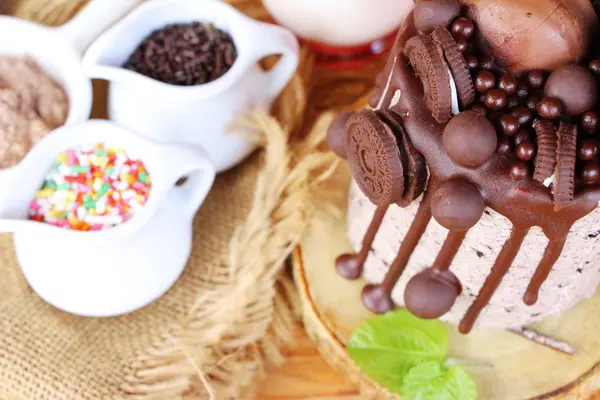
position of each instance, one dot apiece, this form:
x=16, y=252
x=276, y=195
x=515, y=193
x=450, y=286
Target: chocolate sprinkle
x=547, y=145
x=564, y=180
x=429, y=66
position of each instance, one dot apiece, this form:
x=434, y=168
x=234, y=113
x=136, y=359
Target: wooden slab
x=504, y=365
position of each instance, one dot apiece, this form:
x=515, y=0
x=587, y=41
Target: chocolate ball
x=377, y=299
x=487, y=62
x=472, y=62
x=508, y=83
x=479, y=108
x=513, y=101
x=523, y=114
x=523, y=88
x=457, y=205
x=428, y=14
x=431, y=293
x=519, y=170
x=532, y=102
x=462, y=45
x=589, y=122
x=594, y=66
x=505, y=146
x=524, y=134
x=535, y=79
x=549, y=107
x=587, y=149
x=509, y=124
x=526, y=150
x=590, y=172
x=469, y=139
x=484, y=81
x=575, y=86
x=348, y=266
x=336, y=134
x=495, y=99
x=462, y=28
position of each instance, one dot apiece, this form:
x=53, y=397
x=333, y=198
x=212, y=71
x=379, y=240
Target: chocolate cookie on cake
x=476, y=171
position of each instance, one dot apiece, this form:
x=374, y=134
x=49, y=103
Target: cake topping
x=594, y=66
x=429, y=66
x=505, y=146
x=495, y=99
x=336, y=134
x=431, y=293
x=457, y=205
x=589, y=122
x=564, y=182
x=374, y=158
x=549, y=107
x=484, y=81
x=509, y=124
x=587, y=149
x=547, y=142
x=462, y=28
x=429, y=14
x=469, y=139
x=458, y=65
x=509, y=84
x=519, y=170
x=575, y=86
x=590, y=172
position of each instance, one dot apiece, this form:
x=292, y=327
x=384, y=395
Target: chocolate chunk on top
x=576, y=88
x=469, y=139
x=566, y=156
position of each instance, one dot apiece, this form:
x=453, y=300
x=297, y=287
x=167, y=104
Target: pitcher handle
x=268, y=39
x=92, y=20
x=193, y=163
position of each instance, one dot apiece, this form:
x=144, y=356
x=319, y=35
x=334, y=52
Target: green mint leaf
x=387, y=346
x=434, y=381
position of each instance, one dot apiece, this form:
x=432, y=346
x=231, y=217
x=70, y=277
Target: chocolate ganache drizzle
x=521, y=142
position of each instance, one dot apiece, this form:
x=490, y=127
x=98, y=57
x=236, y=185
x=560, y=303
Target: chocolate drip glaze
x=525, y=203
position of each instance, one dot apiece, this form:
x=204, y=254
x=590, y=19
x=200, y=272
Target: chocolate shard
x=547, y=144
x=374, y=158
x=566, y=157
x=458, y=65
x=415, y=167
x=428, y=64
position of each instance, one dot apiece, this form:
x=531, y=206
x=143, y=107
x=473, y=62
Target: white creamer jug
x=121, y=268
x=199, y=114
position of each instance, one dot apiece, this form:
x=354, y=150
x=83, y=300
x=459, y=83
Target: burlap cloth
x=230, y=316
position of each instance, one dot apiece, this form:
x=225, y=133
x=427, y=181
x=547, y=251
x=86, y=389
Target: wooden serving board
x=504, y=365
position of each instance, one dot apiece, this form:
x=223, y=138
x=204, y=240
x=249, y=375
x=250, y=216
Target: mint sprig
x=406, y=355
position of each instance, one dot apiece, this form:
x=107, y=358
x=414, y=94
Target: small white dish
x=199, y=114
x=118, y=269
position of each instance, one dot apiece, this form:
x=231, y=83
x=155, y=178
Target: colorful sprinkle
x=91, y=188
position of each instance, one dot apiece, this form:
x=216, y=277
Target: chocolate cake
x=476, y=168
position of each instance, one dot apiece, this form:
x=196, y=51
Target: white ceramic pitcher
x=121, y=268
x=59, y=50
x=196, y=114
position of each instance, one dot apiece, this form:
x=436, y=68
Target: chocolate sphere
x=457, y=205
x=523, y=135
x=336, y=134
x=431, y=293
x=487, y=62
x=594, y=66
x=526, y=150
x=587, y=149
x=479, y=108
x=575, y=86
x=508, y=83
x=549, y=107
x=472, y=62
x=589, y=122
x=429, y=14
x=484, y=81
x=590, y=172
x=377, y=299
x=348, y=266
x=462, y=28
x=523, y=88
x=509, y=124
x=513, y=101
x=495, y=99
x=536, y=79
x=505, y=146
x=469, y=139
x=523, y=114
x=462, y=45
x=532, y=101
x=519, y=170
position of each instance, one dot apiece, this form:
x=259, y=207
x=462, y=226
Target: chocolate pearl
x=505, y=146
x=523, y=135
x=532, y=102
x=457, y=205
x=576, y=88
x=472, y=62
x=348, y=267
x=377, y=299
x=535, y=79
x=487, y=62
x=594, y=65
x=589, y=122
x=508, y=83
x=429, y=14
x=479, y=108
x=336, y=134
x=509, y=124
x=523, y=114
x=587, y=149
x=519, y=170
x=549, y=107
x=469, y=139
x=590, y=172
x=462, y=45
x=462, y=28
x=513, y=101
x=523, y=89
x=495, y=99
x=484, y=81
x=526, y=150
x=431, y=293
